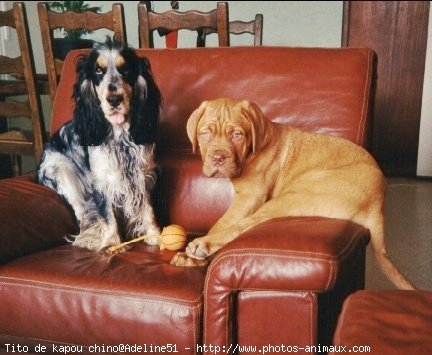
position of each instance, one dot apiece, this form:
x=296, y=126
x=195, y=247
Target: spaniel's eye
x=99, y=71
x=123, y=71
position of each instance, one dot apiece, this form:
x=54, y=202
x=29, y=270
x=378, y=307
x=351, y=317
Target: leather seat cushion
x=390, y=322
x=82, y=297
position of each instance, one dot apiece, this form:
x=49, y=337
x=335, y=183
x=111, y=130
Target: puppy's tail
x=392, y=272
x=389, y=269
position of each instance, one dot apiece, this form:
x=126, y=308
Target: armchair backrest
x=321, y=90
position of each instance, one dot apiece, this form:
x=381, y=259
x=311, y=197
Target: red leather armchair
x=280, y=284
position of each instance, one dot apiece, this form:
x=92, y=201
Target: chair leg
x=5, y=166
x=16, y=165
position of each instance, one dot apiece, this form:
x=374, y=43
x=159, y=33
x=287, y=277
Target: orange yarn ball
x=173, y=237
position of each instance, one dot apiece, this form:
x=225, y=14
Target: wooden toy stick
x=117, y=247
x=173, y=237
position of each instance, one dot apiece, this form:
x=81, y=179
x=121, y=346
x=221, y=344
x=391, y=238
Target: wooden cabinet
x=397, y=32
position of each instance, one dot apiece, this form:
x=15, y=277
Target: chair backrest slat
x=254, y=27
x=173, y=20
x=12, y=108
x=7, y=19
x=11, y=65
x=73, y=20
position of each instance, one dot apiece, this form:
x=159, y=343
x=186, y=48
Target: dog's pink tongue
x=116, y=118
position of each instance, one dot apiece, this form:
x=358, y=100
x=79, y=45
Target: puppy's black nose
x=115, y=100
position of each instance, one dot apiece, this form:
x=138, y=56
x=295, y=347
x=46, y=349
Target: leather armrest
x=285, y=254
x=32, y=218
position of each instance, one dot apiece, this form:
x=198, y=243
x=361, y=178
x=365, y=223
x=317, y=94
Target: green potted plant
x=72, y=39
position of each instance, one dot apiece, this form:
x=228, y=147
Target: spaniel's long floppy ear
x=89, y=121
x=261, y=130
x=146, y=104
x=192, y=125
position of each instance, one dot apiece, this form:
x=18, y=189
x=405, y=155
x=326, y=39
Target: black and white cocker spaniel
x=101, y=162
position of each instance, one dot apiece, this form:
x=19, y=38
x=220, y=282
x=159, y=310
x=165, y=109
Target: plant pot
x=62, y=46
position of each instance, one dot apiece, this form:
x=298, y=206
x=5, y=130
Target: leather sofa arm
x=32, y=218
x=306, y=254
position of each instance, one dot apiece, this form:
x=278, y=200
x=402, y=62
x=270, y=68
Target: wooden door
x=397, y=32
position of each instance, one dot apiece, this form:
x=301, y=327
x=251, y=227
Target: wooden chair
x=50, y=20
x=172, y=20
x=254, y=27
x=20, y=142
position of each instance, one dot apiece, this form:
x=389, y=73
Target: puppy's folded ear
x=261, y=134
x=192, y=125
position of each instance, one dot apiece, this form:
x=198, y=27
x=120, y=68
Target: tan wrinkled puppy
x=281, y=171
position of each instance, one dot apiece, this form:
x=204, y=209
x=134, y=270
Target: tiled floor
x=408, y=213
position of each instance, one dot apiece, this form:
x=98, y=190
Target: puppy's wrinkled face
x=223, y=133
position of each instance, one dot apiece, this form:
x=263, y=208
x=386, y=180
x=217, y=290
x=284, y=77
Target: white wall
x=424, y=162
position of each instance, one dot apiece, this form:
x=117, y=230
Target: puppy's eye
x=237, y=135
x=205, y=135
x=99, y=71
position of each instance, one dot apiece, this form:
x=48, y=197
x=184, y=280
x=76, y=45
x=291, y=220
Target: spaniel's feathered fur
x=101, y=162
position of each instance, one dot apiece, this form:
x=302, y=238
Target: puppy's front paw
x=201, y=248
x=182, y=259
